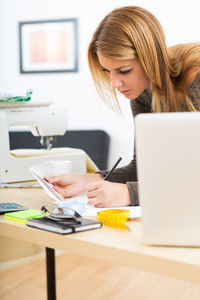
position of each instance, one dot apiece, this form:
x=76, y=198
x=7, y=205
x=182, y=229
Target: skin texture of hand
x=107, y=194
x=70, y=185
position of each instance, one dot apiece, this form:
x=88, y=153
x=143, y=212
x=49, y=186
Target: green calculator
x=10, y=206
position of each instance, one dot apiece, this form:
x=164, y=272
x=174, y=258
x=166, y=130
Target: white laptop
x=168, y=165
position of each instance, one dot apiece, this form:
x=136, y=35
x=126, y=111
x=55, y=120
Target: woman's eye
x=124, y=72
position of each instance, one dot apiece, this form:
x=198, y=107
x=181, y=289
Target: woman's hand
x=69, y=185
x=107, y=194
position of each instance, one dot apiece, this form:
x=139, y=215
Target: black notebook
x=62, y=228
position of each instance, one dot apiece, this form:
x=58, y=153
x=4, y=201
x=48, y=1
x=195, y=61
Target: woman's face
x=126, y=76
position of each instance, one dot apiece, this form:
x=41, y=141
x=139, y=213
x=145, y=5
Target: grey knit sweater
x=142, y=104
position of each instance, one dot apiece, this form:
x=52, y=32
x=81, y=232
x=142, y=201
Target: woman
x=128, y=53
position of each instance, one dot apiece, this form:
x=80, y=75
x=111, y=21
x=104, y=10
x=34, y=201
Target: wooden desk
x=110, y=244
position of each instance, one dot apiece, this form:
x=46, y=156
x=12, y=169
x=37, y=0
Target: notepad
x=61, y=227
x=23, y=216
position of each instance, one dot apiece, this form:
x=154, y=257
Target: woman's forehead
x=115, y=63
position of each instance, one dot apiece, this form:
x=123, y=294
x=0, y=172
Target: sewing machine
x=45, y=120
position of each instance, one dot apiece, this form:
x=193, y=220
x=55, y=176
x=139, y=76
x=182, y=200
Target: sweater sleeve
x=128, y=173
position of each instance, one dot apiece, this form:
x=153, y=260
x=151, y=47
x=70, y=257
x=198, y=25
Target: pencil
x=113, y=168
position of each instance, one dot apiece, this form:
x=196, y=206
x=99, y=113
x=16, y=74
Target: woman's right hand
x=69, y=185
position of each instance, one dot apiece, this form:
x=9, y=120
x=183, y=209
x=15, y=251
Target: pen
x=113, y=168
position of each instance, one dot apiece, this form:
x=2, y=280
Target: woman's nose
x=115, y=81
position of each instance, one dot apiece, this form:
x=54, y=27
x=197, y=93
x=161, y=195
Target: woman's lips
x=125, y=92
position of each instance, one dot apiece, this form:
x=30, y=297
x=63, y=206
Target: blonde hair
x=133, y=32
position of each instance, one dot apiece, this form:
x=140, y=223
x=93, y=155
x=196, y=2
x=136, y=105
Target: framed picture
x=48, y=46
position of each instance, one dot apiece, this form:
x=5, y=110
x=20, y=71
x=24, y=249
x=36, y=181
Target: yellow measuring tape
x=114, y=217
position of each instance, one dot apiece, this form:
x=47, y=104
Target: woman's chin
x=128, y=96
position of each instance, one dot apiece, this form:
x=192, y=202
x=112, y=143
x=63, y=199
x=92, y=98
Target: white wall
x=181, y=22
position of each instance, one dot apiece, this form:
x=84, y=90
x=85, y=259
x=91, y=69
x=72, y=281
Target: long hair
x=133, y=32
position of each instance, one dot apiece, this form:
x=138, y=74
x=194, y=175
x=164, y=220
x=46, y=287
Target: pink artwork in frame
x=48, y=46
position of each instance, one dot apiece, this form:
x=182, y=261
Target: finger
x=92, y=194
x=93, y=201
x=93, y=186
x=54, y=179
x=100, y=205
x=70, y=190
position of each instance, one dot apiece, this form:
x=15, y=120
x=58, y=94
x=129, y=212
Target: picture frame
x=48, y=46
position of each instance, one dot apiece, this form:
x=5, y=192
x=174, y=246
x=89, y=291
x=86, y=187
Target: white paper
x=135, y=211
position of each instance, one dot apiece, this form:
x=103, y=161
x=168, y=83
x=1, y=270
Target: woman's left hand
x=107, y=194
